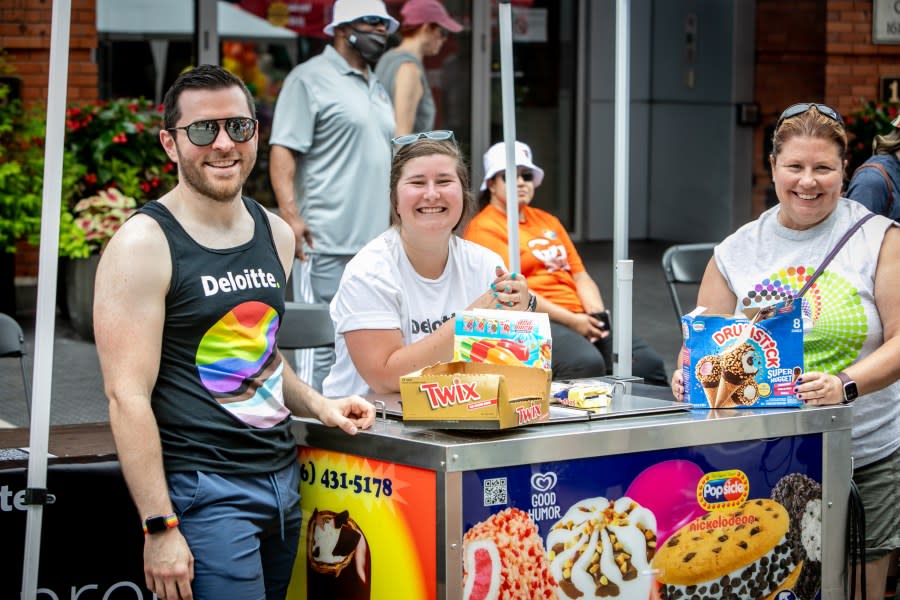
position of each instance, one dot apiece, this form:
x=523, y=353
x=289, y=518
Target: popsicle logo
x=442, y=396
x=723, y=489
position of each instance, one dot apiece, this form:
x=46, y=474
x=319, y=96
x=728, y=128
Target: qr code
x=495, y=491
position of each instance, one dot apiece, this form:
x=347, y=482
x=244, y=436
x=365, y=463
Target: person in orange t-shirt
x=579, y=321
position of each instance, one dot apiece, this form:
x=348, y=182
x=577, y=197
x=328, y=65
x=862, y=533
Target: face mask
x=370, y=45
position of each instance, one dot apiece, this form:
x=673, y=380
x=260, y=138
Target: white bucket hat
x=347, y=11
x=495, y=161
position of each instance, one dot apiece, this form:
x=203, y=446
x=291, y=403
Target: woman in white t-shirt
x=852, y=346
x=397, y=292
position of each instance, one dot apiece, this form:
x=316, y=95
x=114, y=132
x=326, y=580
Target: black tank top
x=218, y=396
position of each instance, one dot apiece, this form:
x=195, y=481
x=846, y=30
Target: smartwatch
x=160, y=523
x=850, y=391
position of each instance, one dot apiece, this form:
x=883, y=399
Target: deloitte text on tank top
x=218, y=396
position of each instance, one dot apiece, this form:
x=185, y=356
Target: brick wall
x=790, y=67
x=808, y=51
x=25, y=37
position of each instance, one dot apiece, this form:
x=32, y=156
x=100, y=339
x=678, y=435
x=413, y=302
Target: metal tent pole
x=42, y=378
x=509, y=132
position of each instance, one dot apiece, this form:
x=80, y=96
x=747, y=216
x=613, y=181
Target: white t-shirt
x=765, y=262
x=381, y=290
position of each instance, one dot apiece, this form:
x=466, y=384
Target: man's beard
x=223, y=191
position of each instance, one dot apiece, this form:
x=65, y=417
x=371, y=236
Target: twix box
x=472, y=395
x=740, y=362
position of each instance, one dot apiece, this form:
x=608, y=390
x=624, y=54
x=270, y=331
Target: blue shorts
x=243, y=531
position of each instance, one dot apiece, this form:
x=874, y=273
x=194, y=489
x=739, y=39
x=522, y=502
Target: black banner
x=91, y=538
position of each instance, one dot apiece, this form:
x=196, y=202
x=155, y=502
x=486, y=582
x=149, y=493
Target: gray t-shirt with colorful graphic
x=765, y=262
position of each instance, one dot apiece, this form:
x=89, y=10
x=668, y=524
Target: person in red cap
x=424, y=28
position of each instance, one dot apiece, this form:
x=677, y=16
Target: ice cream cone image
x=747, y=393
x=739, y=364
x=709, y=372
x=724, y=392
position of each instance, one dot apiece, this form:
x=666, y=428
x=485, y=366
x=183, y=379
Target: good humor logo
x=543, y=498
x=723, y=489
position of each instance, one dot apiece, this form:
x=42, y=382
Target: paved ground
x=77, y=388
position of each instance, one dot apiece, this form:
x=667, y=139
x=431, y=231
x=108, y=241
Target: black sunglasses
x=525, y=175
x=437, y=135
x=799, y=109
x=204, y=133
x=372, y=21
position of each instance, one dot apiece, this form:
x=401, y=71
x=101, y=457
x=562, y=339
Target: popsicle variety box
x=503, y=337
x=475, y=395
x=740, y=362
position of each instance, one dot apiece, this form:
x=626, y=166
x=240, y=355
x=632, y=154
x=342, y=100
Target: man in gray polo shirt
x=330, y=154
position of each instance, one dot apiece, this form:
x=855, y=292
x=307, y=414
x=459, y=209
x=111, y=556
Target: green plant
x=21, y=169
x=101, y=215
x=109, y=146
x=862, y=125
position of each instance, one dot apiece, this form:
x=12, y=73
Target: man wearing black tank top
x=188, y=301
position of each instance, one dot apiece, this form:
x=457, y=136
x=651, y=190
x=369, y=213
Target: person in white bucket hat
x=330, y=155
x=579, y=321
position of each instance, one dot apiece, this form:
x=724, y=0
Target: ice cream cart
x=644, y=500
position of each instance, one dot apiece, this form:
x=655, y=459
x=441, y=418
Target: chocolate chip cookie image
x=802, y=497
x=743, y=552
x=338, y=561
x=602, y=549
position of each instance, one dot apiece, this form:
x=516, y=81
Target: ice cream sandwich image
x=602, y=549
x=504, y=559
x=338, y=562
x=802, y=497
x=743, y=552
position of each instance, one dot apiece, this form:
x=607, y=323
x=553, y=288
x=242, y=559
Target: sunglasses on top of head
x=438, y=135
x=799, y=109
x=204, y=133
x=525, y=175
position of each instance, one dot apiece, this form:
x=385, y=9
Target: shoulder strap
x=887, y=182
x=833, y=253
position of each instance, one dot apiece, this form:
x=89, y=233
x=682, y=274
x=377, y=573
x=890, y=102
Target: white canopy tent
x=161, y=21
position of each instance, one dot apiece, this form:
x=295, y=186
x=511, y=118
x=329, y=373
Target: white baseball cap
x=347, y=11
x=495, y=161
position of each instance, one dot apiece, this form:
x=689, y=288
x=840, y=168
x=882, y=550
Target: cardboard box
x=467, y=395
x=503, y=337
x=729, y=363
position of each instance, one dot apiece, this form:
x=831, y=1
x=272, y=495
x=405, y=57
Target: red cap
x=423, y=12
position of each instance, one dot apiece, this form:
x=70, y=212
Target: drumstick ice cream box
x=739, y=362
x=503, y=337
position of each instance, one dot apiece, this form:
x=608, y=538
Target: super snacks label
x=730, y=362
